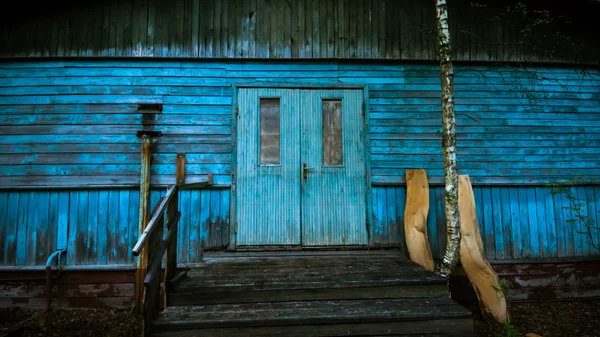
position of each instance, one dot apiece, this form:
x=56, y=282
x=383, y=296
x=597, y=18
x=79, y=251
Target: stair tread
x=304, y=273
x=310, y=312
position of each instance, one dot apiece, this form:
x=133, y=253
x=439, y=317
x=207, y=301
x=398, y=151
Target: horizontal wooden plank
x=49, y=182
x=128, y=158
x=68, y=290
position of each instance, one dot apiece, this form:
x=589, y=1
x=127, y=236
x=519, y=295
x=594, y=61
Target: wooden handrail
x=153, y=244
x=154, y=220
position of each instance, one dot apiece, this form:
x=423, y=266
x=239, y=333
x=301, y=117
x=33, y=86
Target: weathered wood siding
x=100, y=226
x=516, y=223
x=73, y=289
x=73, y=123
x=349, y=29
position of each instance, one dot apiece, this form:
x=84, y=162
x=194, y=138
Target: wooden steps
x=322, y=295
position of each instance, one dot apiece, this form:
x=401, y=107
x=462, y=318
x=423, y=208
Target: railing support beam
x=143, y=218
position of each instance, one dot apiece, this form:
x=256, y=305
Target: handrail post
x=143, y=218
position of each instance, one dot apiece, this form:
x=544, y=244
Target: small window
x=332, y=132
x=270, y=140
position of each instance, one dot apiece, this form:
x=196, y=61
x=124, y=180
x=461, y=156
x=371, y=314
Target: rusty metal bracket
x=57, y=254
x=180, y=174
x=148, y=133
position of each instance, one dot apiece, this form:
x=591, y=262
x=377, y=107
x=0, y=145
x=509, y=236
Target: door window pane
x=270, y=140
x=332, y=132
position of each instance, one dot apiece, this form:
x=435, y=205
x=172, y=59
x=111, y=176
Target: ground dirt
x=548, y=319
x=72, y=322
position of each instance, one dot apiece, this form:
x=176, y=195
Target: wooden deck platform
x=299, y=294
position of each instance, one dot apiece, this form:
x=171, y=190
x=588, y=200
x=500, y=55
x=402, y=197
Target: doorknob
x=305, y=170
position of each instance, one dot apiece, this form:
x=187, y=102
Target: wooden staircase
x=316, y=294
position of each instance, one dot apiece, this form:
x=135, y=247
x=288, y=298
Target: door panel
x=268, y=175
x=333, y=186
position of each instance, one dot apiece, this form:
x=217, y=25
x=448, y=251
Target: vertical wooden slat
x=366, y=40
x=112, y=227
x=201, y=40
x=287, y=29
x=432, y=231
x=82, y=227
x=143, y=14
x=301, y=10
x=195, y=226
x=31, y=227
x=127, y=28
x=499, y=236
x=4, y=233
x=218, y=23
x=186, y=27
x=316, y=41
x=487, y=214
x=308, y=19
x=351, y=27
x=102, y=232
x=543, y=225
x=360, y=29
x=515, y=223
x=374, y=27
x=245, y=36
x=391, y=208
x=273, y=21
x=151, y=31
x=262, y=30
x=203, y=226
x=323, y=19
x=252, y=9
x=132, y=197
x=506, y=224
x=215, y=219
x=225, y=223
x=383, y=23
x=238, y=32
x=91, y=232
x=524, y=226
x=232, y=37
x=46, y=232
x=295, y=28
x=225, y=14
x=183, y=245
x=172, y=225
x=12, y=227
x=440, y=202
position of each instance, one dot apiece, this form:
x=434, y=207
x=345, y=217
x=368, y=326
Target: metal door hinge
x=235, y=227
x=237, y=110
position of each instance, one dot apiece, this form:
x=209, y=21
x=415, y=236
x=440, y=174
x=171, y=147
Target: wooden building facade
x=73, y=82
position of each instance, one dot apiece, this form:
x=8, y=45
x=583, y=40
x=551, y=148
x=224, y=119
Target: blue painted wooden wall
x=515, y=222
x=100, y=226
x=71, y=125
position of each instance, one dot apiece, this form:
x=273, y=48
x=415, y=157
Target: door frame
x=234, y=151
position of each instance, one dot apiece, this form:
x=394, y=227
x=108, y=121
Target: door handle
x=305, y=170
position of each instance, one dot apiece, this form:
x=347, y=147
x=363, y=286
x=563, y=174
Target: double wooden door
x=300, y=176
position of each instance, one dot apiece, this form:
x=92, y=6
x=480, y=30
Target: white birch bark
x=451, y=255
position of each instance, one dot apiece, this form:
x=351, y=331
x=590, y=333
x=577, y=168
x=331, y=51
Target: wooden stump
x=484, y=279
x=415, y=218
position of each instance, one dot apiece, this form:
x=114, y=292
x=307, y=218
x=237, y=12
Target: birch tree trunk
x=451, y=256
